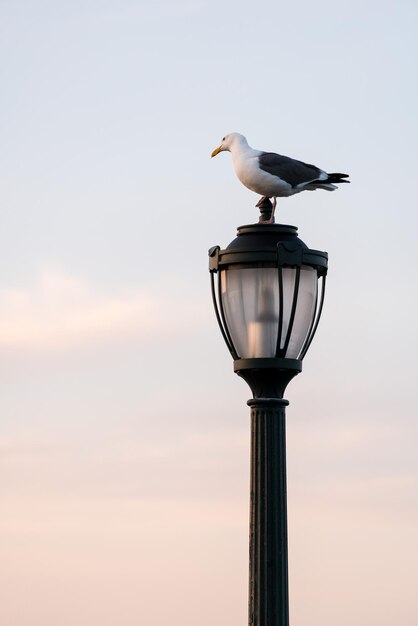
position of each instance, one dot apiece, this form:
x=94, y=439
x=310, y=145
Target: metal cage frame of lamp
x=262, y=248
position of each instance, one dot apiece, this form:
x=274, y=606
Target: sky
x=124, y=434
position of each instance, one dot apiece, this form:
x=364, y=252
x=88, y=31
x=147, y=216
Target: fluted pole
x=268, y=579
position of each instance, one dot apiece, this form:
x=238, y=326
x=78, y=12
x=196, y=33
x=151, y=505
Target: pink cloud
x=60, y=310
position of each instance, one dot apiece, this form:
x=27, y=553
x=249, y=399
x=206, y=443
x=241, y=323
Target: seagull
x=273, y=175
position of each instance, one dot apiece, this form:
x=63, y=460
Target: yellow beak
x=215, y=152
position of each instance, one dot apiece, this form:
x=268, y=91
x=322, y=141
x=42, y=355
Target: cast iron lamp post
x=268, y=301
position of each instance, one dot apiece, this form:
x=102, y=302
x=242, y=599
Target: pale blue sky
x=124, y=432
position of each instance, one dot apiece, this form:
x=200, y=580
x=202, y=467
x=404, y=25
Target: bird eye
x=223, y=138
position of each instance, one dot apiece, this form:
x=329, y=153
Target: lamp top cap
x=269, y=244
x=265, y=236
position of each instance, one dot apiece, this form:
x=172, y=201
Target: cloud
x=60, y=310
x=122, y=466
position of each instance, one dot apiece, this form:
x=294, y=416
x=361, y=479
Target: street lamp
x=268, y=300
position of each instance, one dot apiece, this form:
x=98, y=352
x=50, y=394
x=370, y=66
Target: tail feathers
x=337, y=178
x=328, y=183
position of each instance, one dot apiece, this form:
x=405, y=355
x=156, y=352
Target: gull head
x=229, y=142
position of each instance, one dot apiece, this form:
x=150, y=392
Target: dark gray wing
x=292, y=171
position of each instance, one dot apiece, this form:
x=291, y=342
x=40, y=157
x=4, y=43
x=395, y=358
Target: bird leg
x=271, y=220
x=262, y=201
